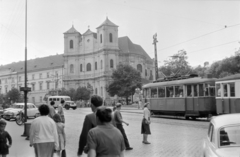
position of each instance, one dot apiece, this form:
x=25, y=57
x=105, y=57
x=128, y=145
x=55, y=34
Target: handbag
x=63, y=154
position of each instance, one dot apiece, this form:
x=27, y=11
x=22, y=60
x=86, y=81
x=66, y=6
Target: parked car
x=223, y=138
x=70, y=104
x=11, y=113
x=1, y=111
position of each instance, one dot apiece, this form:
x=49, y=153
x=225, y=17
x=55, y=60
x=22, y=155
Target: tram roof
x=195, y=80
x=232, y=77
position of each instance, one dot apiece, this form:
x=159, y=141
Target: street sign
x=27, y=89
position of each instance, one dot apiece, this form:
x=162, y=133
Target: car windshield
x=230, y=136
x=17, y=106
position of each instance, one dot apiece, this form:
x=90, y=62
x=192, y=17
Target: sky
x=206, y=30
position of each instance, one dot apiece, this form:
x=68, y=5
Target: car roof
x=227, y=119
x=58, y=97
x=69, y=101
x=22, y=104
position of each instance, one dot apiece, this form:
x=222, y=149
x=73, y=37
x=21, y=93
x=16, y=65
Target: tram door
x=191, y=99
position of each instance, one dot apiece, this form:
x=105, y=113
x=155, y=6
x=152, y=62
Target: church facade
x=90, y=58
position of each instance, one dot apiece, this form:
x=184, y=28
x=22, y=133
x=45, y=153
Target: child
x=4, y=136
x=61, y=133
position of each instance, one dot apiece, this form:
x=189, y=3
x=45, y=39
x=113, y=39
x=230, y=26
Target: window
x=153, y=92
x=225, y=90
x=40, y=86
x=96, y=91
x=139, y=67
x=201, y=91
x=56, y=74
x=101, y=91
x=232, y=89
x=0, y=82
x=33, y=76
x=211, y=132
x=88, y=67
x=110, y=38
x=5, y=80
x=40, y=75
x=95, y=65
x=195, y=90
x=12, y=79
x=6, y=89
x=218, y=90
x=71, y=68
x=19, y=78
x=161, y=92
x=189, y=91
x=111, y=63
x=145, y=72
x=48, y=87
x=47, y=74
x=230, y=136
x=209, y=90
x=56, y=84
x=33, y=87
x=179, y=91
x=71, y=44
x=169, y=91
x=100, y=38
x=101, y=64
x=80, y=67
x=40, y=99
x=33, y=99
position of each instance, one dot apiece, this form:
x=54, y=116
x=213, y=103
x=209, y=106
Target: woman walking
x=146, y=123
x=105, y=139
x=4, y=139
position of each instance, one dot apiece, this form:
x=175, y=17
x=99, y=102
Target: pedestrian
x=43, y=134
x=4, y=138
x=61, y=134
x=59, y=111
x=118, y=120
x=105, y=139
x=113, y=121
x=146, y=123
x=52, y=111
x=89, y=123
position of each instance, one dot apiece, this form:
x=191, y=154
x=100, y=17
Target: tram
x=189, y=96
x=228, y=94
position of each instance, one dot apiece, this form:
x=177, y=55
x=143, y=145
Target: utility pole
x=155, y=50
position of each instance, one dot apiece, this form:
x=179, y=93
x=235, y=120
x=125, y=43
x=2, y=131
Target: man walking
x=89, y=123
x=118, y=120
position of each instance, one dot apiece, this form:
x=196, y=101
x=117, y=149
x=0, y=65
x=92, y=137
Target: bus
x=57, y=99
x=189, y=96
x=228, y=94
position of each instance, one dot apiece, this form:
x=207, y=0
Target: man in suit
x=89, y=123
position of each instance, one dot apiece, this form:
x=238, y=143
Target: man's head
x=96, y=101
x=62, y=101
x=118, y=106
x=43, y=109
x=52, y=103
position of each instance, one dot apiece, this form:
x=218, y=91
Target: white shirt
x=43, y=129
x=146, y=113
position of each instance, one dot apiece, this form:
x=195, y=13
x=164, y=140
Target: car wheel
x=74, y=108
x=37, y=115
x=66, y=107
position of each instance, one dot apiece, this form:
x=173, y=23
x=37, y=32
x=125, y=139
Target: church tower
x=72, y=38
x=107, y=34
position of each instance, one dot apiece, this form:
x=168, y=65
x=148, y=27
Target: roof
x=227, y=119
x=127, y=46
x=232, y=77
x=35, y=64
x=71, y=30
x=107, y=22
x=88, y=32
x=195, y=80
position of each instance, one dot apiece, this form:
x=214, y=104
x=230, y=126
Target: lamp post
x=155, y=50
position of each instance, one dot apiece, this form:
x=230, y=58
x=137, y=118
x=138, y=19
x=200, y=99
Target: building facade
x=90, y=58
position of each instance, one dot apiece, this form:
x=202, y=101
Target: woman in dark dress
x=145, y=123
x=4, y=136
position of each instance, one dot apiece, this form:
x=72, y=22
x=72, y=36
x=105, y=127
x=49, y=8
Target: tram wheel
x=193, y=118
x=186, y=117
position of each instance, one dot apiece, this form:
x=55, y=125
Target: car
x=223, y=138
x=70, y=104
x=13, y=111
x=1, y=111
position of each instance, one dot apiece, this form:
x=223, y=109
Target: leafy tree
x=2, y=98
x=178, y=64
x=82, y=93
x=125, y=79
x=13, y=95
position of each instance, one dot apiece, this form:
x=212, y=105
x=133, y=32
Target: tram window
x=218, y=90
x=178, y=91
x=54, y=99
x=153, y=92
x=225, y=91
x=232, y=89
x=201, y=90
x=195, y=90
x=161, y=92
x=189, y=90
x=211, y=90
x=169, y=91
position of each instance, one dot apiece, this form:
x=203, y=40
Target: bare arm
x=92, y=153
x=122, y=154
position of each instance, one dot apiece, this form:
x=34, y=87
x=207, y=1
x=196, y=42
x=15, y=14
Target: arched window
x=139, y=67
x=80, y=67
x=145, y=72
x=95, y=90
x=100, y=38
x=101, y=64
x=101, y=91
x=111, y=63
x=88, y=67
x=71, y=68
x=71, y=44
x=95, y=65
x=110, y=38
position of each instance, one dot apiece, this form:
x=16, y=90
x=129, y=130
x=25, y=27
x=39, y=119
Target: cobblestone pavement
x=170, y=137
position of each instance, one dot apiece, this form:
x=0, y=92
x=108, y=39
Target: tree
x=176, y=65
x=13, y=95
x=82, y=93
x=125, y=79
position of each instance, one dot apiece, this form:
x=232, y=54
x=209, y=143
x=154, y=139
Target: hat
x=118, y=104
x=2, y=122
